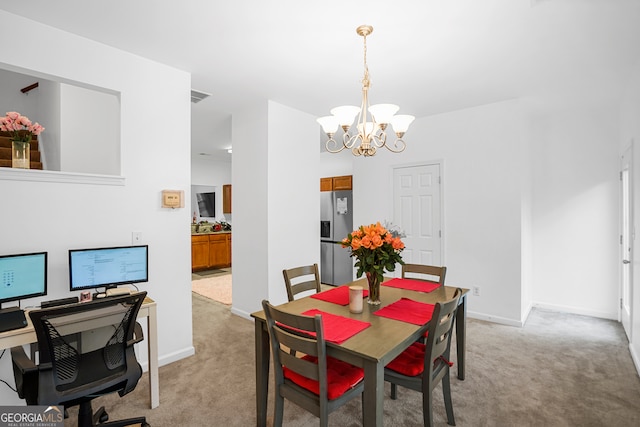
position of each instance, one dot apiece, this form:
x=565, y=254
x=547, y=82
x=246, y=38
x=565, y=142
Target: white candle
x=355, y=299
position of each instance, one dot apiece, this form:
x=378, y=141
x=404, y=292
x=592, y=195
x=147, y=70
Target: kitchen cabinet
x=210, y=251
x=226, y=199
x=336, y=183
x=342, y=183
x=199, y=252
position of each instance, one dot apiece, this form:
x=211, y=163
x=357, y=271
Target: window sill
x=11, y=174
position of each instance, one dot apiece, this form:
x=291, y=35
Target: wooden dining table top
x=380, y=341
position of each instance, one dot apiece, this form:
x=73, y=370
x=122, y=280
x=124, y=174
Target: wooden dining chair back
x=421, y=367
x=312, y=380
x=431, y=273
x=301, y=279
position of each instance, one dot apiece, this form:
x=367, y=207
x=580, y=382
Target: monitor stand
x=12, y=318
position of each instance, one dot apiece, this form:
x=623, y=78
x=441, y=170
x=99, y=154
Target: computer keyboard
x=118, y=291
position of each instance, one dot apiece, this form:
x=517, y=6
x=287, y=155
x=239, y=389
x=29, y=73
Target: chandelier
x=372, y=122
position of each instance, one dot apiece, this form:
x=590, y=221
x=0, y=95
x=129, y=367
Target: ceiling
x=428, y=56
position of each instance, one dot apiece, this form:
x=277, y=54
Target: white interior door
x=626, y=241
x=417, y=210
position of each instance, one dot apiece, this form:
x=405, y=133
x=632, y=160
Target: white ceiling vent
x=197, y=96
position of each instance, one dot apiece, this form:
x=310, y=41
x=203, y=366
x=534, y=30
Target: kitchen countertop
x=210, y=232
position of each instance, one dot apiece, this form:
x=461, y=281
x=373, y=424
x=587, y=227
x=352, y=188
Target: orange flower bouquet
x=376, y=250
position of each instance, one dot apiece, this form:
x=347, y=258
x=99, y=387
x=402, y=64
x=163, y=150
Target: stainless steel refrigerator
x=336, y=222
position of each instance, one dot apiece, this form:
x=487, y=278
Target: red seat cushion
x=341, y=376
x=410, y=362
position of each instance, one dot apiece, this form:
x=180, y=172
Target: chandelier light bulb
x=401, y=122
x=329, y=124
x=345, y=115
x=382, y=113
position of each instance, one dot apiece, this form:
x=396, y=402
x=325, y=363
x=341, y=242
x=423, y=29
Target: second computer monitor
x=108, y=267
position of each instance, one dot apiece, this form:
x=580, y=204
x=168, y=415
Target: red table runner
x=339, y=295
x=338, y=329
x=408, y=310
x=412, y=285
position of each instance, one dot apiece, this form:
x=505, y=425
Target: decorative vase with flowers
x=376, y=249
x=23, y=130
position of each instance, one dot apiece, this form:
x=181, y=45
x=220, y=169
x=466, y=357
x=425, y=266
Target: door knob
x=626, y=261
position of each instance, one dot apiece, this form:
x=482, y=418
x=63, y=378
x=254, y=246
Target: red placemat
x=338, y=329
x=412, y=285
x=339, y=295
x=408, y=310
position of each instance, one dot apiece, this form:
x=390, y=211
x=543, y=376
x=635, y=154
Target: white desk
x=27, y=335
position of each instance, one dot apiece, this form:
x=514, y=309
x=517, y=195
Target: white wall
x=482, y=165
x=89, y=131
x=14, y=100
x=55, y=216
x=275, y=201
x=575, y=210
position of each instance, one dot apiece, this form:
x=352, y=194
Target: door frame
x=626, y=163
x=440, y=164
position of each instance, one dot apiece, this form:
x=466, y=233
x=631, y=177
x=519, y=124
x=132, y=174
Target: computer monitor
x=108, y=267
x=23, y=276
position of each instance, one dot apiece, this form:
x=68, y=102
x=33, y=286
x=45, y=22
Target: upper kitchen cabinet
x=326, y=184
x=336, y=183
x=226, y=198
x=342, y=183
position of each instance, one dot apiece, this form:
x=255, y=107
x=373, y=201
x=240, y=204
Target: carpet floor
x=215, y=286
x=558, y=370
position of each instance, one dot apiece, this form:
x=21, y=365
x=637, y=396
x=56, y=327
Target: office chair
x=301, y=279
x=421, y=367
x=316, y=382
x=424, y=272
x=85, y=351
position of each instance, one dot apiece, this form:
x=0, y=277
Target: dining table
x=371, y=349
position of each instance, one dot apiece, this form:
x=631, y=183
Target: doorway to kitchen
x=215, y=284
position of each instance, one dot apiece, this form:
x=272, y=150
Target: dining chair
x=301, y=279
x=312, y=380
x=421, y=367
x=424, y=272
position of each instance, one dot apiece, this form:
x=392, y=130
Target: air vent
x=197, y=96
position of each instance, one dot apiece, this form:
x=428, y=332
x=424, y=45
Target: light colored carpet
x=559, y=370
x=217, y=288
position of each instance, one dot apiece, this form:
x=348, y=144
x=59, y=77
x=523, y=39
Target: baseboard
x=241, y=313
x=495, y=319
x=170, y=358
x=576, y=310
x=634, y=357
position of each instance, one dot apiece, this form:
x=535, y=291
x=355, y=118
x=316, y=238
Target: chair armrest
x=21, y=361
x=138, y=335
x=25, y=373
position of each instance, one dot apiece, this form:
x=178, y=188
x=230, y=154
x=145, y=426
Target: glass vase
x=20, y=154
x=374, y=289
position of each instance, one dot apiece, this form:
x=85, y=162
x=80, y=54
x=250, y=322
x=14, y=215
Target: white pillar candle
x=355, y=299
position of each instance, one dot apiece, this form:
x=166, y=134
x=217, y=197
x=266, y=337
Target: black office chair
x=421, y=367
x=85, y=351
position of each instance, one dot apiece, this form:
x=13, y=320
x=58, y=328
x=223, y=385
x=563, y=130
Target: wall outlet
x=476, y=291
x=136, y=237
